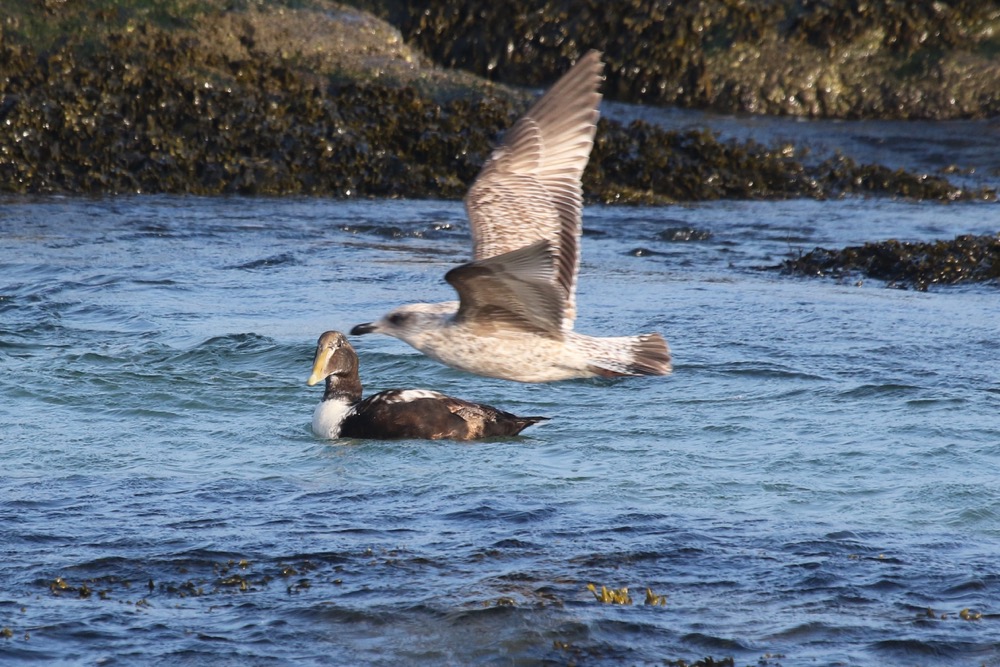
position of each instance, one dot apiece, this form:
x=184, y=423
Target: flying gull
x=395, y=413
x=517, y=298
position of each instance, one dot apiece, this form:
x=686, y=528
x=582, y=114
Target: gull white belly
x=510, y=355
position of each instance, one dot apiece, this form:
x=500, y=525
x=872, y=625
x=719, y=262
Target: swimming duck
x=395, y=413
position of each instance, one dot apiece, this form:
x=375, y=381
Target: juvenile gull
x=396, y=413
x=517, y=298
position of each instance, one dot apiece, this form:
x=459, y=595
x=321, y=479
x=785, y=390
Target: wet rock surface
x=908, y=264
x=816, y=58
x=327, y=100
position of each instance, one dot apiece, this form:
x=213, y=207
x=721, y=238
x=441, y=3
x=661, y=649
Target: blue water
x=815, y=484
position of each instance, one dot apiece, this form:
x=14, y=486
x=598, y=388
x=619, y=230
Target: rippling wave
x=815, y=484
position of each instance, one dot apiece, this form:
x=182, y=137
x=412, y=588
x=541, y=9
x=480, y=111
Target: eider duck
x=517, y=298
x=395, y=413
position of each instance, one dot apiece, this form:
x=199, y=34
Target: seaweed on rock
x=819, y=58
x=162, y=110
x=963, y=259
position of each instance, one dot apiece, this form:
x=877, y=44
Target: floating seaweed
x=59, y=585
x=219, y=577
x=707, y=661
x=969, y=615
x=654, y=599
x=965, y=614
x=610, y=595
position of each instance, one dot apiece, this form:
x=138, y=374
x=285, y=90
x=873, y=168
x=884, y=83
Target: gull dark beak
x=366, y=328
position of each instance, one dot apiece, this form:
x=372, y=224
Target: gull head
x=411, y=323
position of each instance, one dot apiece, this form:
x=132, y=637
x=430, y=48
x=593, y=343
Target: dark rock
x=964, y=259
x=819, y=58
x=251, y=102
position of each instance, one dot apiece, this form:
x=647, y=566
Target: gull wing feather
x=512, y=290
x=529, y=189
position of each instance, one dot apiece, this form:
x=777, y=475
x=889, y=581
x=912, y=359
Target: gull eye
x=397, y=319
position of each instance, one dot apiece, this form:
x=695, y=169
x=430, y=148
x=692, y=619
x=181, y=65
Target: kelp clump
x=966, y=258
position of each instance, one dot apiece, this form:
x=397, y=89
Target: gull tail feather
x=647, y=354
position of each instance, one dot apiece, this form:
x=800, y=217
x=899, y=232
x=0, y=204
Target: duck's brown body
x=396, y=413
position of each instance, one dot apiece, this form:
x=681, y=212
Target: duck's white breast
x=329, y=416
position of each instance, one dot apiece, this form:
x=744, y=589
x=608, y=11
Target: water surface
x=815, y=484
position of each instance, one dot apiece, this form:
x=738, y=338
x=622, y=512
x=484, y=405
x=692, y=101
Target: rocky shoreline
x=814, y=58
x=319, y=98
x=325, y=99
